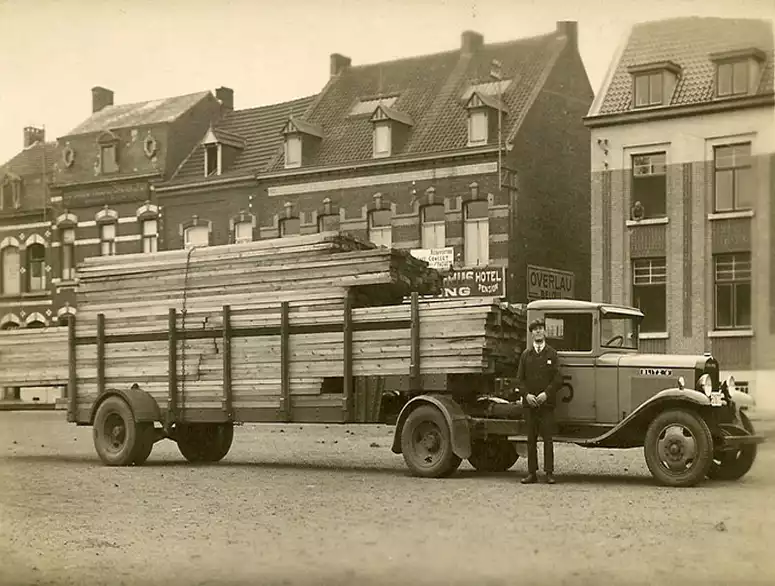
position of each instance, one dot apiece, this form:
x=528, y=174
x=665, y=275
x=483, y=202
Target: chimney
x=100, y=98
x=339, y=64
x=470, y=42
x=225, y=96
x=570, y=29
x=33, y=135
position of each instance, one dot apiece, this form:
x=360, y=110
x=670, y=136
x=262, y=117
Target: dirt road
x=333, y=505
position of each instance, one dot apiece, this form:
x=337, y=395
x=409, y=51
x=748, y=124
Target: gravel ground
x=333, y=505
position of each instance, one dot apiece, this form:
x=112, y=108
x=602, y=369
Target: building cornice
x=668, y=112
x=209, y=183
x=103, y=180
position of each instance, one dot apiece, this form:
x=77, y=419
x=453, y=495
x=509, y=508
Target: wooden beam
x=100, y=353
x=285, y=363
x=172, y=369
x=227, y=391
x=414, y=364
x=347, y=400
x=72, y=385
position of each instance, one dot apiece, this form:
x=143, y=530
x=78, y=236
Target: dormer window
x=10, y=192
x=654, y=83
x=212, y=159
x=737, y=72
x=108, y=143
x=302, y=140
x=483, y=117
x=391, y=130
x=221, y=150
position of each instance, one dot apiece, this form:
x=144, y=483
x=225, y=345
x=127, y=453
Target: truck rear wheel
x=118, y=438
x=426, y=444
x=493, y=455
x=205, y=442
x=678, y=448
x=733, y=465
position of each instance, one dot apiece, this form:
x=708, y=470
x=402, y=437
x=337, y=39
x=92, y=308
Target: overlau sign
x=546, y=283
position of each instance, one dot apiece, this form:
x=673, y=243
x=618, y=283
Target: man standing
x=539, y=379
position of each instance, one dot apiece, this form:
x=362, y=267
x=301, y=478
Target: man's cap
x=536, y=323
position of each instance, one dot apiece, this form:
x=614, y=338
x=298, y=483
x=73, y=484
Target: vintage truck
x=184, y=345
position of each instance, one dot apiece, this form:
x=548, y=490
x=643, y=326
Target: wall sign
x=547, y=283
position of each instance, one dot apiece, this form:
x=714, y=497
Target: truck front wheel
x=426, y=444
x=678, y=448
x=493, y=455
x=205, y=442
x=118, y=439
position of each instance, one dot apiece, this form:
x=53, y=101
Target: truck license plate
x=716, y=400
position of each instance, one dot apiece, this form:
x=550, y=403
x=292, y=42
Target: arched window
x=36, y=267
x=10, y=259
x=196, y=236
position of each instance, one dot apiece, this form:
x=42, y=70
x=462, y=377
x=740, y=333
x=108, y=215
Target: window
x=619, y=331
x=107, y=239
x=68, y=254
x=243, y=232
x=433, y=227
x=477, y=233
x=733, y=183
x=648, y=89
x=733, y=290
x=36, y=267
x=381, y=228
x=109, y=159
x=150, y=235
x=649, y=292
x=382, y=139
x=649, y=183
x=732, y=78
x=11, y=260
x=477, y=128
x=328, y=223
x=10, y=193
x=571, y=332
x=293, y=151
x=212, y=162
x=289, y=227
x=196, y=236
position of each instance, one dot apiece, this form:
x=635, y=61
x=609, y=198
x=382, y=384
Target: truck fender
x=457, y=420
x=143, y=405
x=742, y=400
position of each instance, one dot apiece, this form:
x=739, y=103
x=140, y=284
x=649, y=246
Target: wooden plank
x=227, y=390
x=172, y=367
x=285, y=401
x=72, y=386
x=347, y=401
x=414, y=369
x=100, y=353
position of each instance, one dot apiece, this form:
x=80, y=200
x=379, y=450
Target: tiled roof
x=126, y=115
x=30, y=161
x=260, y=128
x=430, y=90
x=688, y=42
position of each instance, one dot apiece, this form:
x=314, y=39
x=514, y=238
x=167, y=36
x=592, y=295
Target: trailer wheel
x=426, y=444
x=145, y=440
x=493, y=455
x=117, y=436
x=678, y=448
x=733, y=465
x=205, y=442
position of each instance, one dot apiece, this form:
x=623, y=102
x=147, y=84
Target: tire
x=671, y=456
x=493, y=455
x=734, y=465
x=205, y=442
x=426, y=444
x=145, y=440
x=115, y=433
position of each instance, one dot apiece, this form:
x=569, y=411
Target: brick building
x=683, y=136
x=211, y=198
x=406, y=153
x=102, y=199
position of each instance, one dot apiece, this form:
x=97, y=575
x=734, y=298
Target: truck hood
x=654, y=360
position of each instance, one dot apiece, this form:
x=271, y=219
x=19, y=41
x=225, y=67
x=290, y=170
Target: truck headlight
x=705, y=385
x=730, y=382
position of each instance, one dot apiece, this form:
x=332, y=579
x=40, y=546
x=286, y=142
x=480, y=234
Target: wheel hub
x=677, y=447
x=428, y=444
x=115, y=432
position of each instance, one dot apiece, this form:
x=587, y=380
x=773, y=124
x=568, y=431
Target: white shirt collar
x=539, y=346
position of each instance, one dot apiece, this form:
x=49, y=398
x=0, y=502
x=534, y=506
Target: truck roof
x=557, y=304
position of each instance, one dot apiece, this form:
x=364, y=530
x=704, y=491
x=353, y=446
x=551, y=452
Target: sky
x=53, y=52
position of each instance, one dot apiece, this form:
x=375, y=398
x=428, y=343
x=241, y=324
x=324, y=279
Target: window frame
x=213, y=149
x=484, y=116
x=733, y=284
x=733, y=66
x=293, y=139
x=111, y=241
x=150, y=240
x=195, y=229
x=388, y=136
x=284, y=222
x=656, y=279
x=67, y=269
x=649, y=76
x=112, y=147
x=735, y=170
x=557, y=315
x=243, y=239
x=18, y=277
x=478, y=224
x=377, y=232
x=41, y=282
x=432, y=226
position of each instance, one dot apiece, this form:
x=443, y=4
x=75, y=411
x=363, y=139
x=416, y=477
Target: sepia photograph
x=354, y=293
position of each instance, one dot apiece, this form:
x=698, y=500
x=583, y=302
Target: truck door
x=570, y=333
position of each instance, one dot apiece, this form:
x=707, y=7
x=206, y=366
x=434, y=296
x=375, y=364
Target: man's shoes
x=529, y=479
x=550, y=479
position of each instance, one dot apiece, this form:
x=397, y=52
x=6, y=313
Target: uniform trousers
x=540, y=421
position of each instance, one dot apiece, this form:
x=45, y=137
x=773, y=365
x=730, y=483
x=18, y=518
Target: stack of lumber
x=33, y=357
x=314, y=275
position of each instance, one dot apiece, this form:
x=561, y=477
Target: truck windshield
x=619, y=331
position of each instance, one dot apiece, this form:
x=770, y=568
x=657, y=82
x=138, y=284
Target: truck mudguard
x=144, y=406
x=457, y=420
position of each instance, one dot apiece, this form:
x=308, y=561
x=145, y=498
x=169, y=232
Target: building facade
x=481, y=150
x=683, y=185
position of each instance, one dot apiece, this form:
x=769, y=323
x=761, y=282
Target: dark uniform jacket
x=539, y=373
